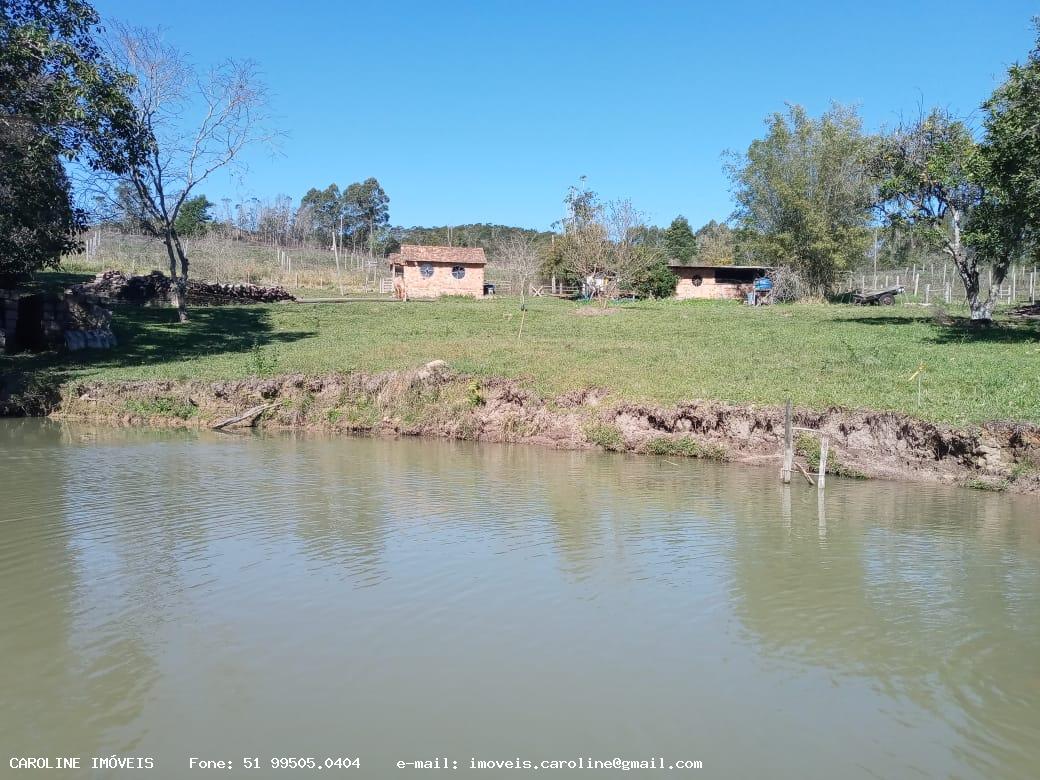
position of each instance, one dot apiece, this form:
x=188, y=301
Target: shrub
x=261, y=362
x=808, y=446
x=984, y=484
x=162, y=406
x=685, y=447
x=788, y=286
x=475, y=393
x=605, y=435
x=656, y=281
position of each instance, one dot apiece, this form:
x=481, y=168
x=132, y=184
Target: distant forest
x=483, y=235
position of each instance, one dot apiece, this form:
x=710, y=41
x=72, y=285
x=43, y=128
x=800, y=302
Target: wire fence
x=933, y=283
x=225, y=260
x=231, y=260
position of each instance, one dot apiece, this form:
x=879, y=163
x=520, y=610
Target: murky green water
x=170, y=595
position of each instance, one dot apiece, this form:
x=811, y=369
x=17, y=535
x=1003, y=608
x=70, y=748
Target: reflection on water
x=176, y=594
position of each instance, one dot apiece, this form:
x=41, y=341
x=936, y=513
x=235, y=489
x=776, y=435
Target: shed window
x=426, y=269
x=458, y=271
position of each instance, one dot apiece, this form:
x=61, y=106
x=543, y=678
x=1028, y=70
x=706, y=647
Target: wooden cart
x=884, y=297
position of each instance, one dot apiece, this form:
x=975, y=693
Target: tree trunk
x=178, y=292
x=181, y=282
x=968, y=269
x=981, y=310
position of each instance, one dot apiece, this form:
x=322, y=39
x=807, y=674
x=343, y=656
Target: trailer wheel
x=887, y=299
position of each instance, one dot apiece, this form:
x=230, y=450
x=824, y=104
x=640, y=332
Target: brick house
x=715, y=281
x=432, y=271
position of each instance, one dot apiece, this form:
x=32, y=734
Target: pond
x=179, y=595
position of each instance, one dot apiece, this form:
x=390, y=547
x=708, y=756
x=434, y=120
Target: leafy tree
x=367, y=208
x=194, y=216
x=679, y=241
x=37, y=219
x=554, y=263
x=488, y=236
x=657, y=280
x=323, y=212
x=932, y=177
x=1007, y=221
x=716, y=244
x=606, y=242
x=803, y=193
x=60, y=99
x=584, y=246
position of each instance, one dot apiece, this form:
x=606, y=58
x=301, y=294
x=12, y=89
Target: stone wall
x=39, y=321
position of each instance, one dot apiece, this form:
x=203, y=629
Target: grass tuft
x=685, y=447
x=605, y=435
x=162, y=406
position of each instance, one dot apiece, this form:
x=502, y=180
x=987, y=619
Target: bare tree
x=519, y=257
x=584, y=245
x=605, y=245
x=191, y=124
x=629, y=254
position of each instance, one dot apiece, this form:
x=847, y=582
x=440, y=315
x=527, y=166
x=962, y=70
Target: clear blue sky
x=487, y=111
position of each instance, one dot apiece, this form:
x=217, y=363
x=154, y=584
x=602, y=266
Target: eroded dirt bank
x=436, y=401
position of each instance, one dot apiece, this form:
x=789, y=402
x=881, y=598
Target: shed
x=432, y=271
x=716, y=281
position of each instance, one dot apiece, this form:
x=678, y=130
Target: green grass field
x=666, y=351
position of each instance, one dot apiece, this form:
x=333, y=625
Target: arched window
x=426, y=269
x=458, y=271
x=697, y=281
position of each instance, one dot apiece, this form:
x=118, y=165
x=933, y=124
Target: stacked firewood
x=154, y=288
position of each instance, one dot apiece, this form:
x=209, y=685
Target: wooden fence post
x=788, y=461
x=825, y=446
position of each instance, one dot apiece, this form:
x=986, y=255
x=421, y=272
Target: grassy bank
x=818, y=355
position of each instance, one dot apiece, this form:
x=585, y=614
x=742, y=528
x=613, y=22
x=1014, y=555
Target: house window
x=426, y=269
x=398, y=270
x=458, y=271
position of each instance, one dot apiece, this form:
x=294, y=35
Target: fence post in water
x=788, y=462
x=825, y=446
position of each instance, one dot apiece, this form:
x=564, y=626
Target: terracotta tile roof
x=412, y=253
